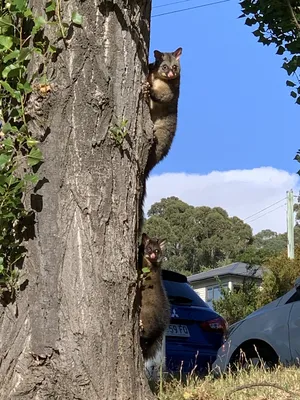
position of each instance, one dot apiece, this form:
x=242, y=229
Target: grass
x=286, y=380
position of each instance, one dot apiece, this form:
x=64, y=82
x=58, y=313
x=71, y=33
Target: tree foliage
x=204, y=237
x=281, y=276
x=198, y=237
x=239, y=303
x=278, y=22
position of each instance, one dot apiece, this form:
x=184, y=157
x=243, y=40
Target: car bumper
x=186, y=361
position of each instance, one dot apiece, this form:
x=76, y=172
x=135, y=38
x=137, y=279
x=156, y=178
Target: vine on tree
x=20, y=38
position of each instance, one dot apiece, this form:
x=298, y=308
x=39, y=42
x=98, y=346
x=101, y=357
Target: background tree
x=281, y=276
x=71, y=332
x=198, y=237
x=237, y=304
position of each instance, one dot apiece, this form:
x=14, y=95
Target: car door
x=294, y=327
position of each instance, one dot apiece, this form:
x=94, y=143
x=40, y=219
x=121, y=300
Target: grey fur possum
x=162, y=92
x=155, y=307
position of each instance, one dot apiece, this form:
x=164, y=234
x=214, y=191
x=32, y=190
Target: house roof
x=238, y=268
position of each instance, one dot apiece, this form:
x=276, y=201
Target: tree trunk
x=72, y=332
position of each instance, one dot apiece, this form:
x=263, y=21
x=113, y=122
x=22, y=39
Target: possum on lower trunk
x=155, y=307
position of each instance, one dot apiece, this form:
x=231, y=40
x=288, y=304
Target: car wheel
x=255, y=356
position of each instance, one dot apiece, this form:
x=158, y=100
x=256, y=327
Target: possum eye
x=164, y=67
x=174, y=67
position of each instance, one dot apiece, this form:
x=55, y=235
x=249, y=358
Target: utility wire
x=266, y=213
x=171, y=4
x=274, y=204
x=190, y=8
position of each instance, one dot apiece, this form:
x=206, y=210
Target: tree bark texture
x=72, y=332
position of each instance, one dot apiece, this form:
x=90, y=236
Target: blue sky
x=236, y=116
x=235, y=110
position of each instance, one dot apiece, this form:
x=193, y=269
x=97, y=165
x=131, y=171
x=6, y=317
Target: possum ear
x=177, y=53
x=145, y=238
x=158, y=55
x=162, y=243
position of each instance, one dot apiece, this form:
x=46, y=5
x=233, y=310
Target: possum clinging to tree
x=155, y=307
x=162, y=92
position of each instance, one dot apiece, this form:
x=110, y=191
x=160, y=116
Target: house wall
x=207, y=287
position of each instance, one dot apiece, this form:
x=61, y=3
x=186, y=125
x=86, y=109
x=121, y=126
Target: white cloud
x=240, y=192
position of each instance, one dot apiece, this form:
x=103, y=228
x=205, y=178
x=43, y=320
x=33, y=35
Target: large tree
x=198, y=237
x=72, y=330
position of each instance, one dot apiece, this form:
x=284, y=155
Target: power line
x=171, y=4
x=266, y=213
x=274, y=204
x=190, y=8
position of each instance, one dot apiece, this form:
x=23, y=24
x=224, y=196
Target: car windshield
x=182, y=294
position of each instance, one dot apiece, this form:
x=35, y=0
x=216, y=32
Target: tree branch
x=293, y=14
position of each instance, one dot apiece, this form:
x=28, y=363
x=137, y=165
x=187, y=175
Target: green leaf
x=31, y=178
x=8, y=88
x=5, y=22
x=31, y=142
x=6, y=128
x=27, y=13
x=145, y=270
x=8, y=143
x=50, y=6
x=10, y=56
x=34, y=157
x=290, y=83
x=6, y=41
x=280, y=50
x=12, y=70
x=27, y=87
x=52, y=49
x=4, y=159
x=293, y=94
x=43, y=80
x=39, y=23
x=24, y=53
x=77, y=19
x=21, y=5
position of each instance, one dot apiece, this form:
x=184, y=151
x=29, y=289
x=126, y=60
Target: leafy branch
x=278, y=22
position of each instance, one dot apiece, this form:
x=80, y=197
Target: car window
x=294, y=297
x=182, y=294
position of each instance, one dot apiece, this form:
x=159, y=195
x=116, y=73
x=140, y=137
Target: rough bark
x=72, y=332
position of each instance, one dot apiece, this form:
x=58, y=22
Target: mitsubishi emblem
x=174, y=313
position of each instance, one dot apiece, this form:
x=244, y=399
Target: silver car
x=267, y=336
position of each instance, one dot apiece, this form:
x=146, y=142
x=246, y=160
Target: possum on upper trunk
x=162, y=93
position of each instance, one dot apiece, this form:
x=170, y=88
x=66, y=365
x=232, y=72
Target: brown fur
x=155, y=307
x=162, y=92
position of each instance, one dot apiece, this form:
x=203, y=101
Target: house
x=230, y=276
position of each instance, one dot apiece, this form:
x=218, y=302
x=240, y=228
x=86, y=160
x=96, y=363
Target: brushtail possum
x=155, y=307
x=162, y=92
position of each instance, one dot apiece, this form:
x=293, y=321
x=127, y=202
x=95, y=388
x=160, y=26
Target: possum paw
x=141, y=325
x=146, y=89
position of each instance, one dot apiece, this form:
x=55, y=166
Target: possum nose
x=152, y=256
x=170, y=74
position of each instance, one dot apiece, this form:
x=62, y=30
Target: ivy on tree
x=19, y=151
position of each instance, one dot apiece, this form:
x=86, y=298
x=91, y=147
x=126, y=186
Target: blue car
x=195, y=332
